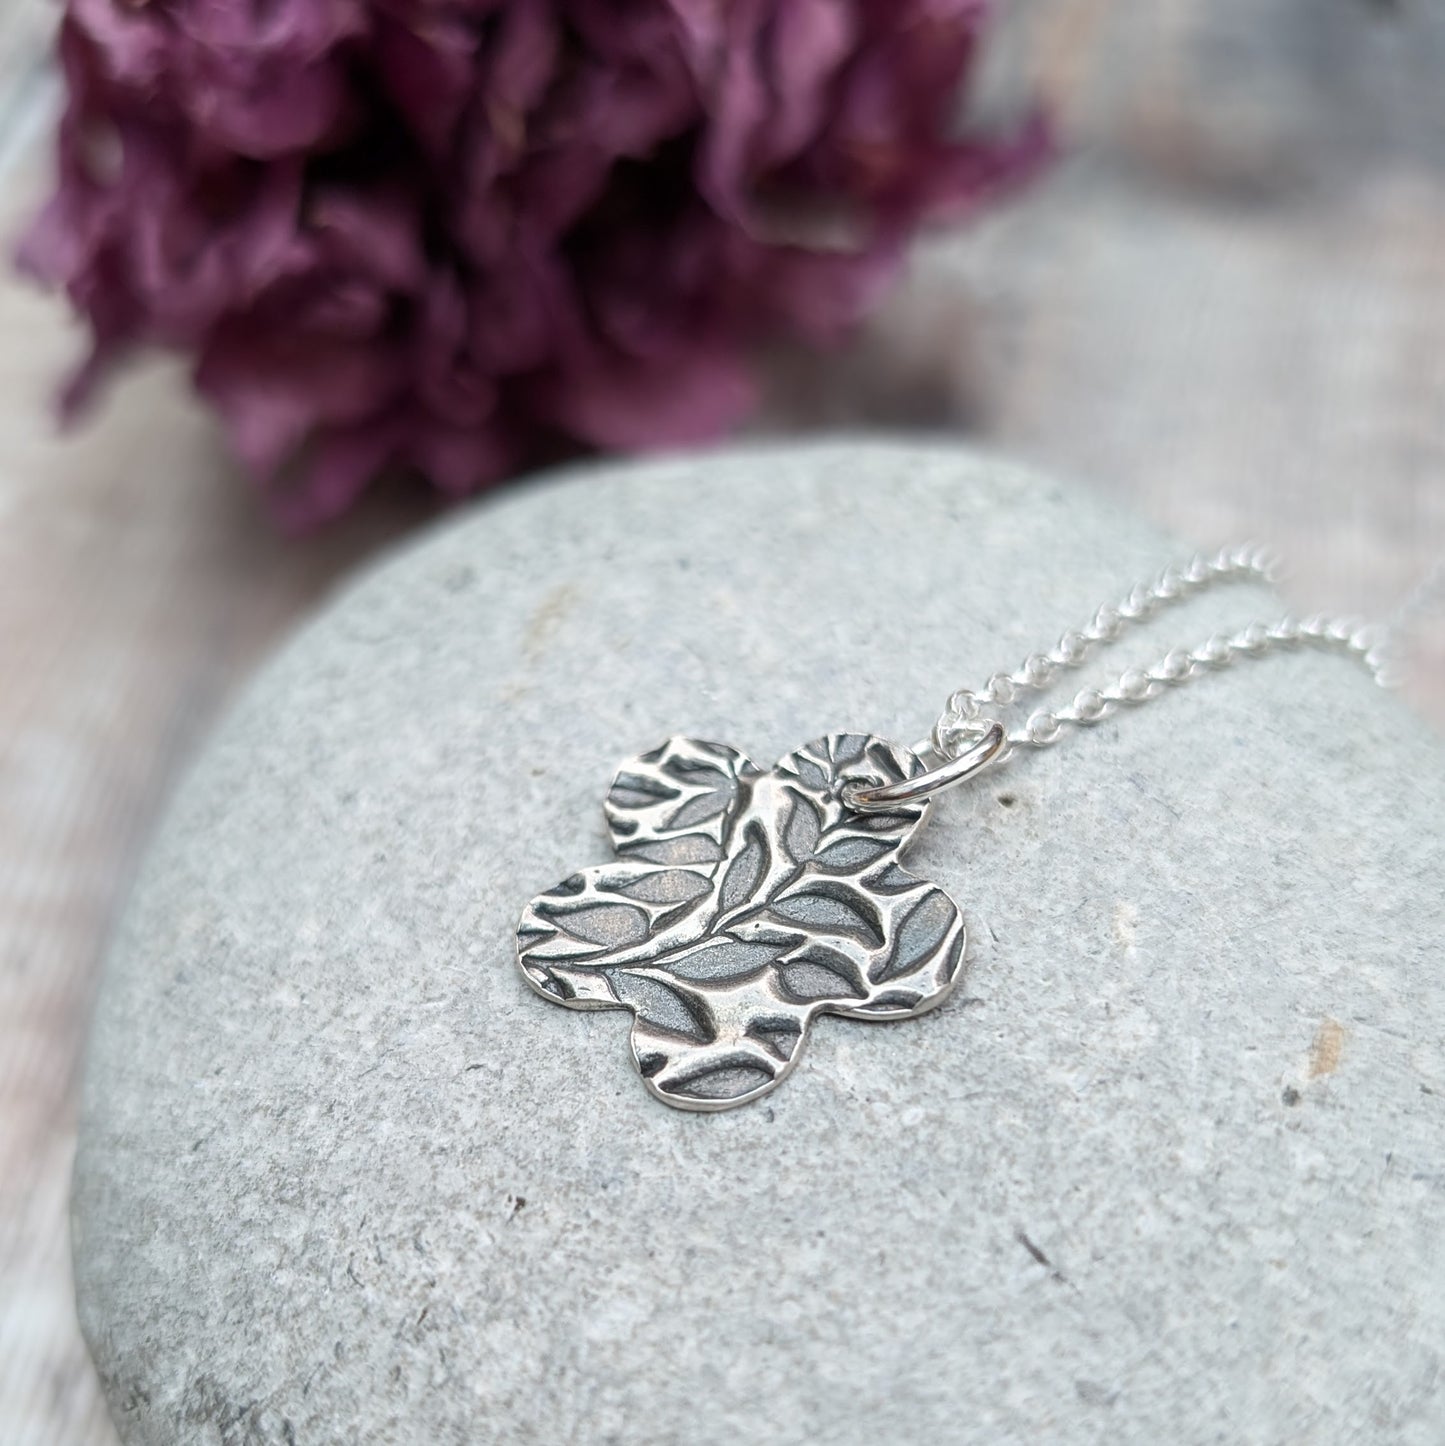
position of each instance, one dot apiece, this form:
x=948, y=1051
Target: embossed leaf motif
x=742, y=905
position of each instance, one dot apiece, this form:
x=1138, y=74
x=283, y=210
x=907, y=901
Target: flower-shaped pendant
x=743, y=904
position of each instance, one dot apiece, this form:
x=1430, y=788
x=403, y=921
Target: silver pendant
x=744, y=904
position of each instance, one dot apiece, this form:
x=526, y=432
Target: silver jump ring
x=878, y=798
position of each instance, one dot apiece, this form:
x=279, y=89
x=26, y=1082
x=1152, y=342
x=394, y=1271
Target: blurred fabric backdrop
x=1226, y=306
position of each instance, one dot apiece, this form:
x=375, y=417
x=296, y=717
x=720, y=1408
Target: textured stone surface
x=1167, y=1166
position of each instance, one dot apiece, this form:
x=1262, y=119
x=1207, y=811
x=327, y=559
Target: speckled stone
x=1168, y=1166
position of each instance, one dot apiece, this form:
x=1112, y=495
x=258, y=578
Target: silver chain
x=970, y=734
x=970, y=714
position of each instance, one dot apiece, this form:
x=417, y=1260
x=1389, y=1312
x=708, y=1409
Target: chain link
x=968, y=713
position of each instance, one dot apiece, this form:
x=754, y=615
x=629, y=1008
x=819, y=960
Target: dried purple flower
x=464, y=235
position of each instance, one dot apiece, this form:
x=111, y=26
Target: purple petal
x=342, y=461
x=272, y=391
x=460, y=236
x=614, y=401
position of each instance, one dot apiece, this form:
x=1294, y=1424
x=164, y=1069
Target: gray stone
x=1168, y=1166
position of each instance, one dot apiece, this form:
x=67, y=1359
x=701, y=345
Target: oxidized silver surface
x=744, y=904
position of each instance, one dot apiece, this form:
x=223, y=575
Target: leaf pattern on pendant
x=744, y=903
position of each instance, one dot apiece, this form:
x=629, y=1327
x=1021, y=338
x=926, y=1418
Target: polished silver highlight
x=958, y=725
x=880, y=797
x=744, y=904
